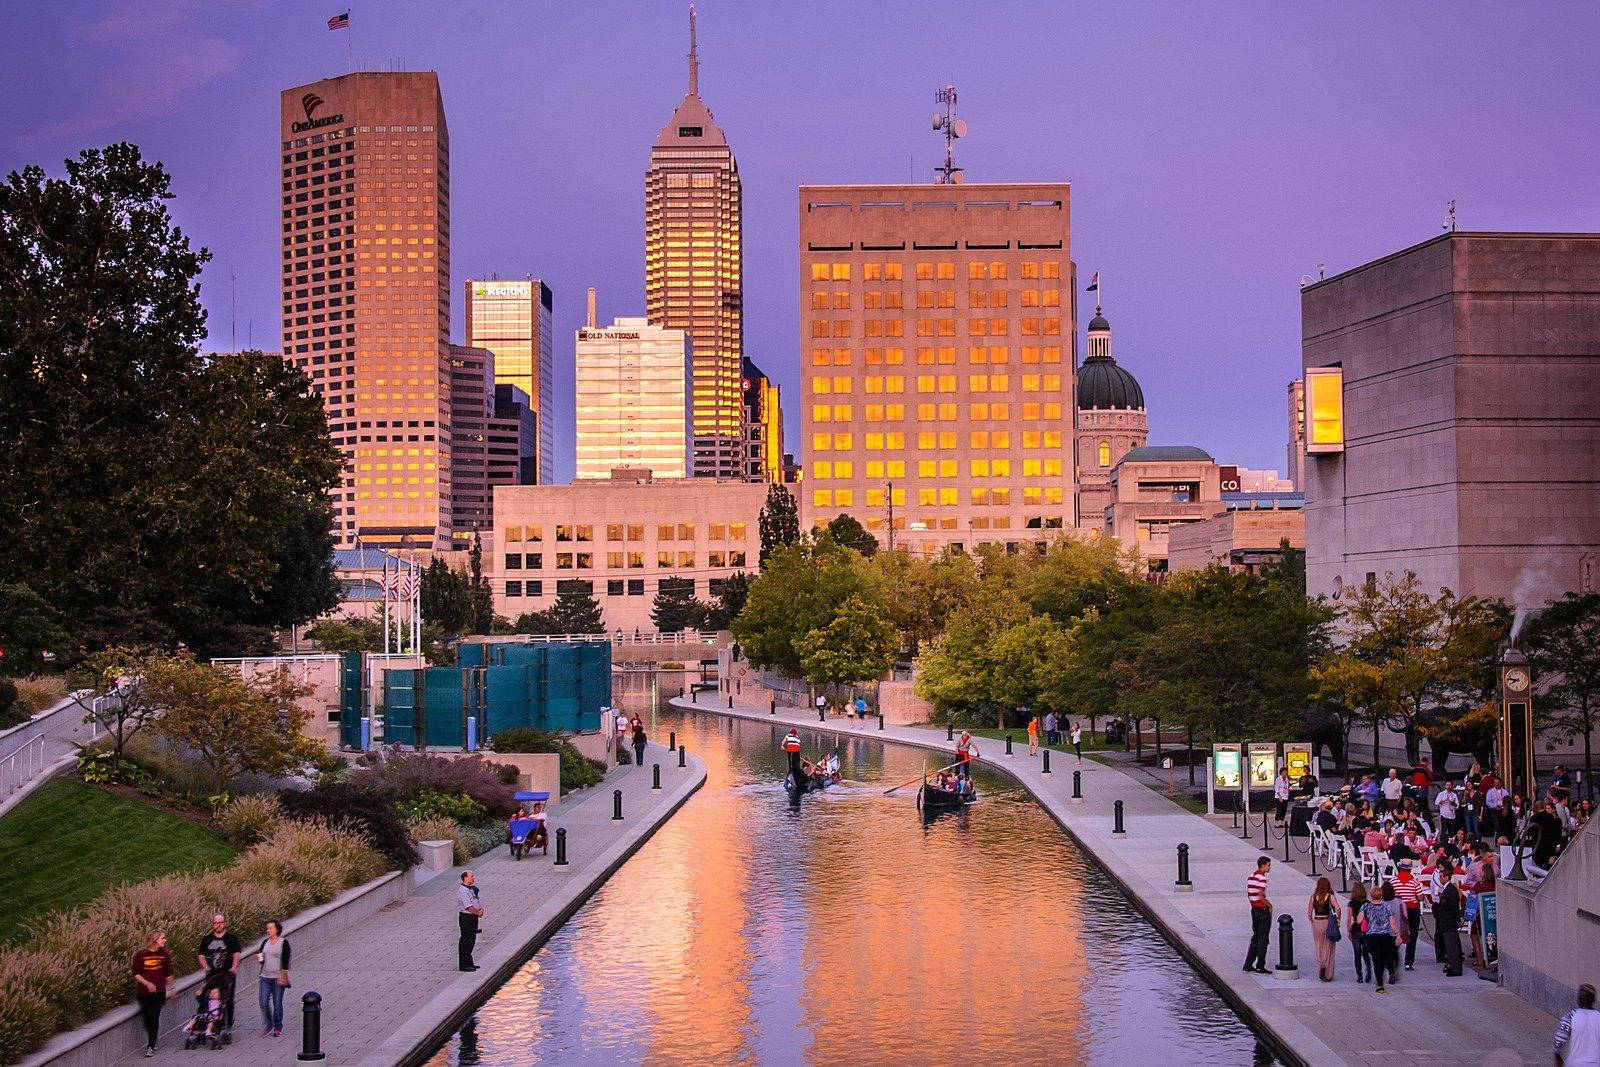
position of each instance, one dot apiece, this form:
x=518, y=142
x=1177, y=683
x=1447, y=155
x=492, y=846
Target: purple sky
x=1217, y=151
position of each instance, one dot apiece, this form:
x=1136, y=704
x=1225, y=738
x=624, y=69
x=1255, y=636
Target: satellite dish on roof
x=961, y=127
x=938, y=120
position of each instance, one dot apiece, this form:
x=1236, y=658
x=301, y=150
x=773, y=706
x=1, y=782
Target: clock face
x=1516, y=679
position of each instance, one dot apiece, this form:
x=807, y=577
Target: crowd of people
x=218, y=956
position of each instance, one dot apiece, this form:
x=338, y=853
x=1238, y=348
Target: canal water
x=846, y=930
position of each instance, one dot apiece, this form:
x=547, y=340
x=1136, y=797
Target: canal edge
x=1284, y=1033
x=413, y=1043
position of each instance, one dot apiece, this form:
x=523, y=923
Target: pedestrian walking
x=639, y=741
x=822, y=704
x=1393, y=789
x=1052, y=736
x=152, y=968
x=1280, y=795
x=1358, y=939
x=1383, y=930
x=1408, y=891
x=273, y=956
x=1447, y=909
x=1255, y=891
x=1578, y=1035
x=471, y=910
x=219, y=958
x=1323, y=912
x=1077, y=740
x=1033, y=735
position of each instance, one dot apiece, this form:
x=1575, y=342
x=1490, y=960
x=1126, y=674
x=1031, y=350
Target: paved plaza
x=1342, y=1022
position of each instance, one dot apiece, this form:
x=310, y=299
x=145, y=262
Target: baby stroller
x=209, y=1026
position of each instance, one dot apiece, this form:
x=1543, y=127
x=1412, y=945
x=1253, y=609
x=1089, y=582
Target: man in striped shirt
x=1408, y=891
x=1255, y=890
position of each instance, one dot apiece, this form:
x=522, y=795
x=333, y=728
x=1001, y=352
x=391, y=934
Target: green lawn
x=69, y=842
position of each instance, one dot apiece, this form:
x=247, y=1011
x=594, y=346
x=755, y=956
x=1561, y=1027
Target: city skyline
x=1204, y=187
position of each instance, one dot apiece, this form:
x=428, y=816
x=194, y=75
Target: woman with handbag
x=273, y=955
x=1323, y=912
x=1358, y=940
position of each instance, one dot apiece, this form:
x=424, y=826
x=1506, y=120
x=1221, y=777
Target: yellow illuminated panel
x=1325, y=405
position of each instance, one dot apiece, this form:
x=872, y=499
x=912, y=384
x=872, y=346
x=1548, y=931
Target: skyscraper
x=763, y=420
x=472, y=375
x=937, y=327
x=631, y=403
x=365, y=182
x=694, y=271
x=512, y=320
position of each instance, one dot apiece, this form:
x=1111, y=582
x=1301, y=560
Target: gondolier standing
x=966, y=752
x=791, y=745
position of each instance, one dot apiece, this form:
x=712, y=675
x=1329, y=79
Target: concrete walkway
x=1426, y=1015
x=389, y=985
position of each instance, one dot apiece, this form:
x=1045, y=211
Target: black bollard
x=1286, y=967
x=772, y=706
x=1077, y=786
x=880, y=720
x=1116, y=820
x=730, y=703
x=311, y=1028
x=1046, y=761
x=655, y=776
x=1183, y=885
x=1008, y=744
x=681, y=750
x=949, y=731
x=672, y=740
x=616, y=802
x=561, y=847
x=1286, y=857
x=1344, y=874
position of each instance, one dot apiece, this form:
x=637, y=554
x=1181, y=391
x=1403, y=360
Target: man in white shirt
x=1392, y=788
x=1448, y=803
x=1578, y=1036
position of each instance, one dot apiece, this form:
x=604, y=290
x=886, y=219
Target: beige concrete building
x=618, y=538
x=1249, y=535
x=694, y=269
x=512, y=320
x=365, y=183
x=1156, y=488
x=1111, y=422
x=937, y=330
x=1453, y=395
x=632, y=402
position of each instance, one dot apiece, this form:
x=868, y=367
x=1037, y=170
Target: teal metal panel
x=351, y=704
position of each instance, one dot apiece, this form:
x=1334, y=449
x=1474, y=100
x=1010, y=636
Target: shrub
x=99, y=766
x=359, y=810
x=459, y=808
x=249, y=819
x=438, y=829
x=624, y=757
x=8, y=699
x=525, y=739
x=400, y=776
x=481, y=839
x=577, y=770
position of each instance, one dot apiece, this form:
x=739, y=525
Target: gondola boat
x=931, y=799
x=819, y=776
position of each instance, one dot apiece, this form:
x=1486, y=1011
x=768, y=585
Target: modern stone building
x=1111, y=422
x=512, y=320
x=1247, y=536
x=365, y=212
x=1156, y=488
x=763, y=419
x=632, y=402
x=618, y=538
x=472, y=375
x=694, y=269
x=937, y=329
x=1296, y=469
x=1453, y=396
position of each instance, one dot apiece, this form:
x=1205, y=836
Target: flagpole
x=349, y=49
x=383, y=591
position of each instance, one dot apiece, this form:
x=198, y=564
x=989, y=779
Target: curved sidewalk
x=1312, y=1022
x=389, y=985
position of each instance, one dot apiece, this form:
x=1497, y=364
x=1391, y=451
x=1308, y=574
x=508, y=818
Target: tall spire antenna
x=952, y=128
x=694, y=57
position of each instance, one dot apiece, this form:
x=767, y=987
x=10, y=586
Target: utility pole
x=890, y=500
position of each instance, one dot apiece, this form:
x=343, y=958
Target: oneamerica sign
x=312, y=124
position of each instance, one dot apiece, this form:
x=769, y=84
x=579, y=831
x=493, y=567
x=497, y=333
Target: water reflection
x=846, y=929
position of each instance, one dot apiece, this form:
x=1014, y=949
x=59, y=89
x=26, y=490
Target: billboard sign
x=1226, y=766
x=1297, y=759
x=1263, y=764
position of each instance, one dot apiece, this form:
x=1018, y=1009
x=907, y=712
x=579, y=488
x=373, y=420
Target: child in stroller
x=209, y=1026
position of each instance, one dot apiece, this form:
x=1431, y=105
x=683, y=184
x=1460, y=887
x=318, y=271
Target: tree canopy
x=779, y=522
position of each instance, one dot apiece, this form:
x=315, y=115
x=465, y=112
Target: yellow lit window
x=947, y=438
x=947, y=413
x=1030, y=438
x=977, y=354
x=947, y=468
x=947, y=383
x=1052, y=354
x=1053, y=494
x=819, y=357
x=822, y=498
x=841, y=412
x=897, y=467
x=821, y=385
x=1052, y=468
x=842, y=383
x=821, y=442
x=872, y=385
x=896, y=442
x=924, y=274
x=821, y=413
x=926, y=439
x=513, y=533
x=874, y=442
x=841, y=442
x=1324, y=409
x=874, y=468
x=1051, y=269
x=822, y=470
x=927, y=497
x=978, y=412
x=927, y=468
x=894, y=357
x=978, y=468
x=978, y=439
x=1031, y=468
x=979, y=496
x=844, y=468
x=841, y=272
x=1001, y=468
x=819, y=272
x=1001, y=496
x=844, y=498
x=1052, y=439
x=872, y=272
x=874, y=412
x=1032, y=495
x=1104, y=456
x=874, y=498
x=893, y=272
x=926, y=383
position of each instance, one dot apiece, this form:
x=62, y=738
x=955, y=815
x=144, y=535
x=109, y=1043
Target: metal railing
x=618, y=637
x=19, y=768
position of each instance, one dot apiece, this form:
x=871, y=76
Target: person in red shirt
x=152, y=967
x=1408, y=890
x=1255, y=891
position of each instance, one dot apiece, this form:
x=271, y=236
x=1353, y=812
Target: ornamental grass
x=74, y=966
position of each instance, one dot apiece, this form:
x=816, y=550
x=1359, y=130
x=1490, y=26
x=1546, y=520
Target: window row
x=930, y=355
x=614, y=586
x=945, y=270
x=624, y=532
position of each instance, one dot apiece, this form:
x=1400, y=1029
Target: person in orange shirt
x=1033, y=736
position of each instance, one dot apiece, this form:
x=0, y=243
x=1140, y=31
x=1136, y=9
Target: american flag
x=340, y=22
x=408, y=587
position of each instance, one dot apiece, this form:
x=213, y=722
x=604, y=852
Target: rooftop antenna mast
x=952, y=128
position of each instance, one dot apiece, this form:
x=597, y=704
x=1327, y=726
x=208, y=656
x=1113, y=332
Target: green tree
x=856, y=645
x=676, y=609
x=798, y=591
x=963, y=672
x=575, y=612
x=150, y=493
x=1563, y=644
x=232, y=726
x=779, y=521
x=347, y=635
x=111, y=686
x=29, y=628
x=719, y=615
x=446, y=597
x=921, y=594
x=846, y=530
x=481, y=616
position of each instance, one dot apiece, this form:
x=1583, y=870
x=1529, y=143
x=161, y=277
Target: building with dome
x=1111, y=422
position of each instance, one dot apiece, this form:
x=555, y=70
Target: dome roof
x=1104, y=385
x=1099, y=322
x=1166, y=454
